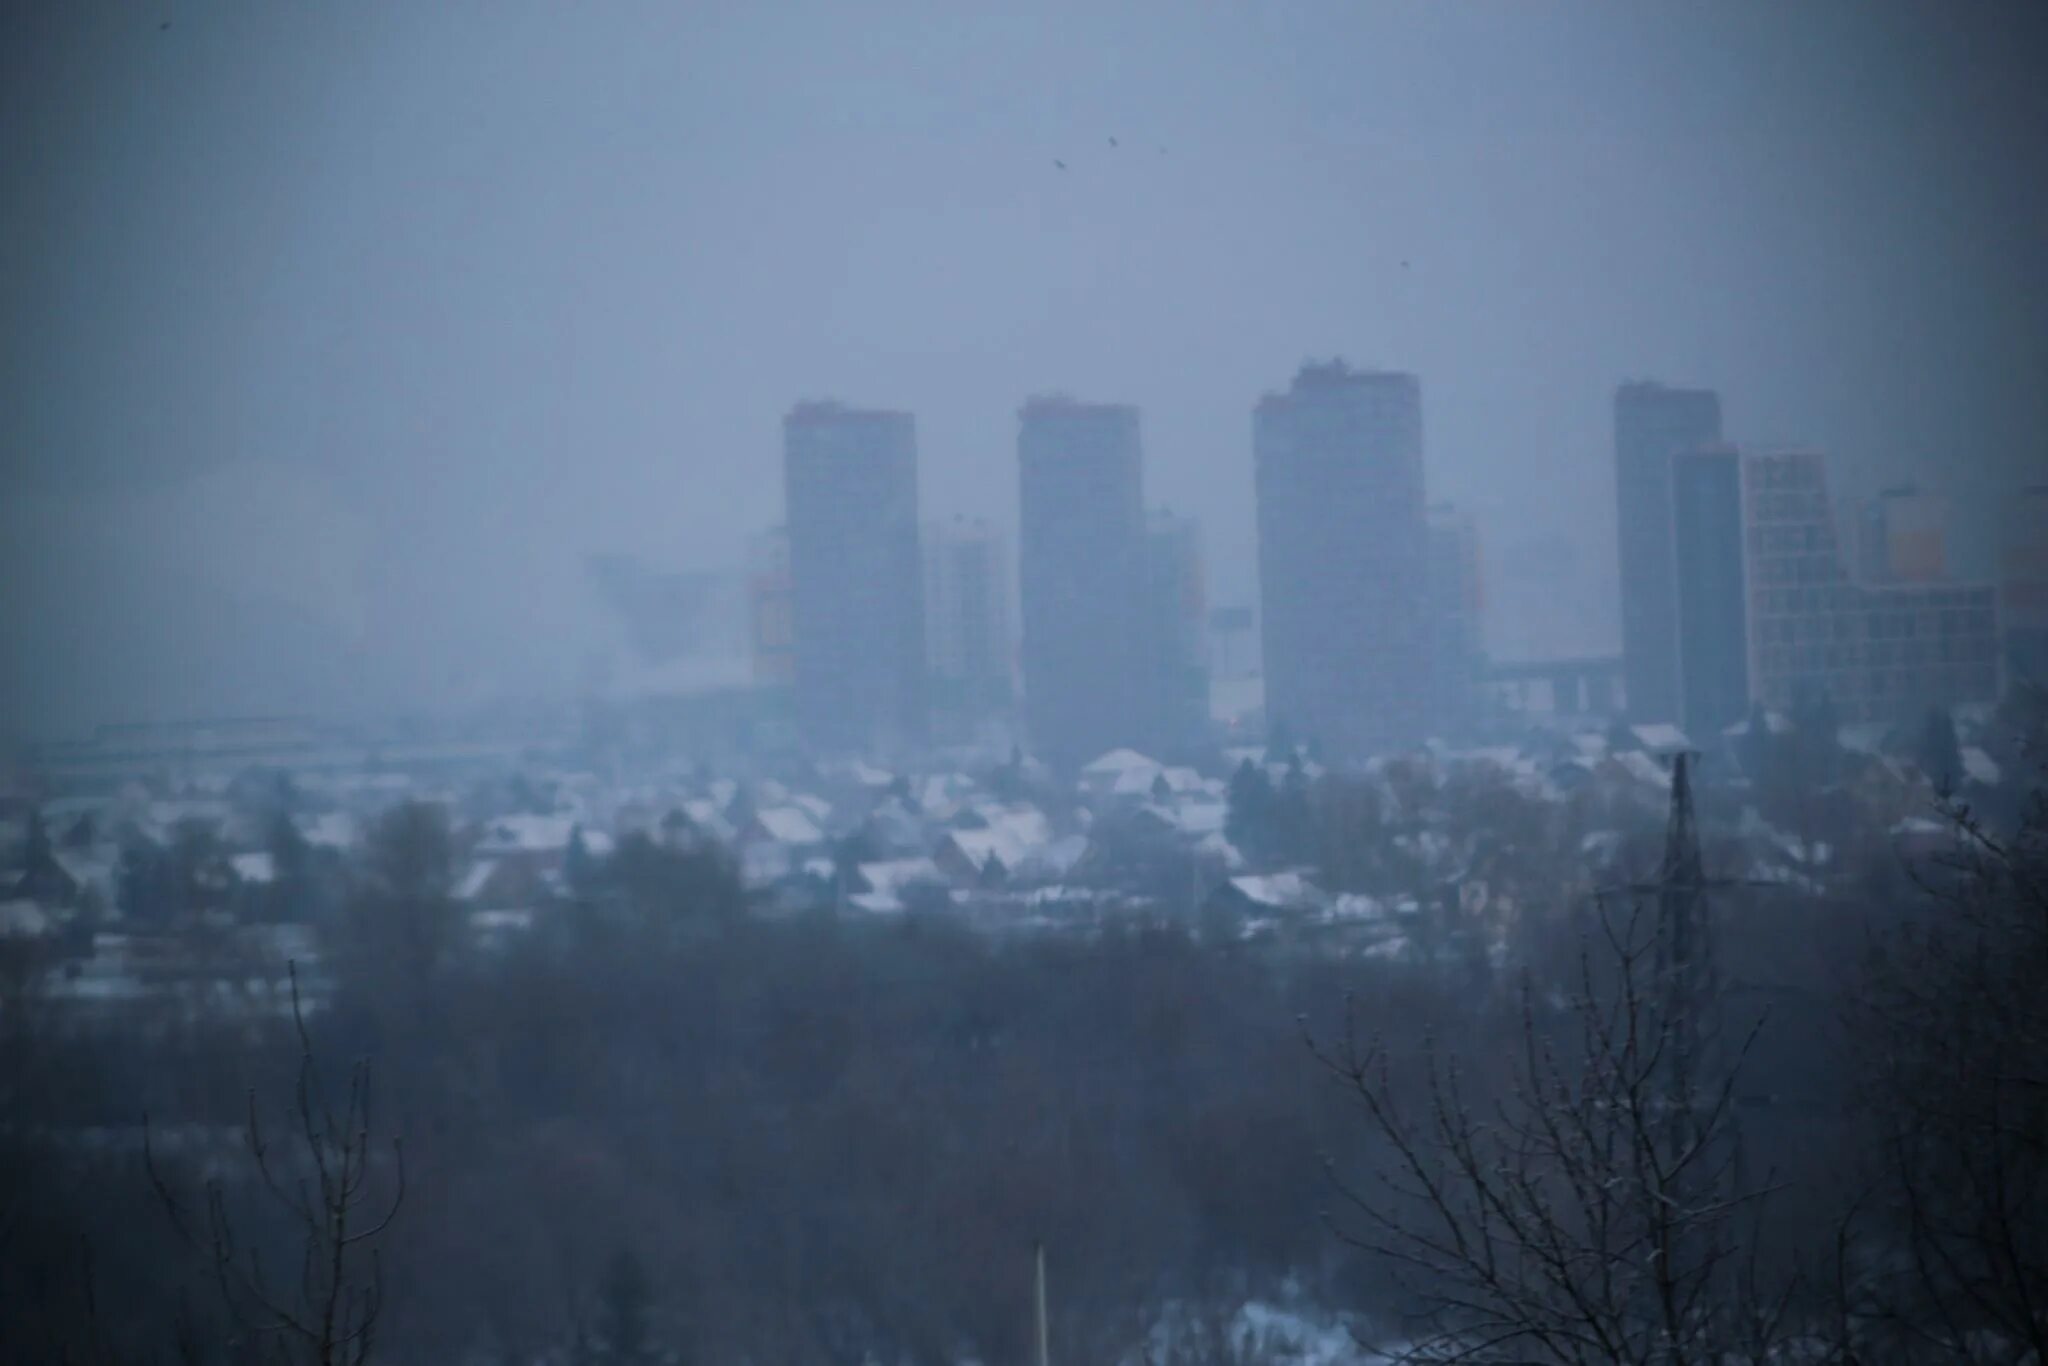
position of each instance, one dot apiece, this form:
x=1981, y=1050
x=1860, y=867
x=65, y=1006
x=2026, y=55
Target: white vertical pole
x=1043, y=1358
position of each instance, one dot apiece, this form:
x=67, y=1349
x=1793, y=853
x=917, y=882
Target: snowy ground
x=1257, y=1333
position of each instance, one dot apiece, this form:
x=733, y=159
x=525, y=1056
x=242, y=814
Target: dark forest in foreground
x=666, y=1128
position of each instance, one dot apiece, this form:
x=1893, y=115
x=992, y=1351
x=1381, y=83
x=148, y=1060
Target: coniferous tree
x=1248, y=821
x=1816, y=738
x=1754, y=752
x=1940, y=754
x=292, y=886
x=579, y=869
x=1293, y=833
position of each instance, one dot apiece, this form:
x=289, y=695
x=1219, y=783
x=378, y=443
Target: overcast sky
x=336, y=334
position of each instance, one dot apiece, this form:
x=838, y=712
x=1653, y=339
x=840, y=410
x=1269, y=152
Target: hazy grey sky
x=336, y=334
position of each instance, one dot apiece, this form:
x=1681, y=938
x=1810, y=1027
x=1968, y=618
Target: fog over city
x=341, y=334
x=782, y=683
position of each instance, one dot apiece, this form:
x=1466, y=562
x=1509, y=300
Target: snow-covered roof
x=23, y=920
x=1602, y=845
x=877, y=903
x=1023, y=822
x=979, y=846
x=95, y=871
x=896, y=827
x=1134, y=781
x=1214, y=845
x=1278, y=890
x=1055, y=858
x=1643, y=768
x=527, y=834
x=1507, y=757
x=474, y=879
x=1661, y=737
x=1356, y=906
x=1980, y=767
x=1201, y=817
x=706, y=816
x=869, y=776
x=788, y=825
x=1120, y=761
x=328, y=829
x=890, y=877
x=1019, y=838
x=257, y=868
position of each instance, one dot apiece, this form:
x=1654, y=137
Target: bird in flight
x=1061, y=164
x=1112, y=142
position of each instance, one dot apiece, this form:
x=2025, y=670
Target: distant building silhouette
x=1177, y=616
x=1880, y=652
x=2023, y=585
x=1713, y=609
x=1343, y=558
x=967, y=616
x=856, y=578
x=770, y=630
x=1456, y=600
x=1081, y=569
x=668, y=615
x=1653, y=423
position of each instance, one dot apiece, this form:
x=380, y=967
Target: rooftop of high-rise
x=1041, y=405
x=822, y=410
x=1337, y=373
x=1646, y=388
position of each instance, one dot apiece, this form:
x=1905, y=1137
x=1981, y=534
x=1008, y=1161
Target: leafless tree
x=327, y=1183
x=1952, y=1242
x=1567, y=1218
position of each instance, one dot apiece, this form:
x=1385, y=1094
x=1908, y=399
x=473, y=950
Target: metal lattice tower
x=1688, y=986
x=1686, y=996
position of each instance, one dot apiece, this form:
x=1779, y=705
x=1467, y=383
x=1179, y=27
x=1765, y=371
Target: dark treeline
x=664, y=1127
